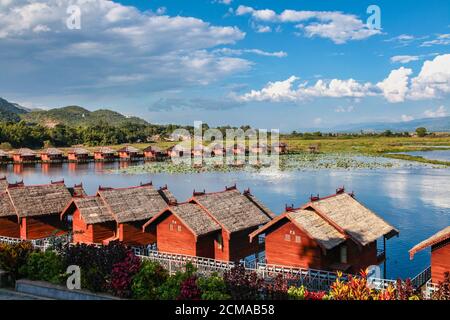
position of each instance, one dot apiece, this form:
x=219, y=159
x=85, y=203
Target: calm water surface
x=415, y=200
x=441, y=155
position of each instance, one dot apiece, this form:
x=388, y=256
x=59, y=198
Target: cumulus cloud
x=438, y=113
x=115, y=43
x=334, y=25
x=442, y=39
x=433, y=81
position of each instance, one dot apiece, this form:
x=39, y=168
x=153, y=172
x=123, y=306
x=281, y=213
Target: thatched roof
x=77, y=190
x=167, y=195
x=51, y=151
x=232, y=210
x=78, y=151
x=259, y=203
x=439, y=237
x=39, y=200
x=93, y=210
x=6, y=206
x=4, y=153
x=133, y=204
x=3, y=184
x=359, y=222
x=129, y=149
x=105, y=150
x=152, y=149
x=193, y=217
x=24, y=152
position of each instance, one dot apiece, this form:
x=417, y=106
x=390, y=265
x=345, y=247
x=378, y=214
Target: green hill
x=10, y=111
x=78, y=116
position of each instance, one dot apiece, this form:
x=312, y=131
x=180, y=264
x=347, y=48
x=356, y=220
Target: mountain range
x=70, y=115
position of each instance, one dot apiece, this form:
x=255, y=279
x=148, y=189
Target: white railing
x=422, y=278
x=430, y=289
x=41, y=244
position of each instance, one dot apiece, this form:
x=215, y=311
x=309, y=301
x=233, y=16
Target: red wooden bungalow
x=177, y=151
x=258, y=148
x=51, y=155
x=24, y=155
x=120, y=214
x=36, y=209
x=154, y=153
x=237, y=215
x=238, y=149
x=331, y=233
x=129, y=153
x=217, y=150
x=78, y=155
x=440, y=254
x=279, y=147
x=8, y=218
x=185, y=228
x=104, y=154
x=4, y=156
x=197, y=150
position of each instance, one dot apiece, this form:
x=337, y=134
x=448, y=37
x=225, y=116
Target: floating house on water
x=78, y=155
x=23, y=155
x=51, y=155
x=35, y=210
x=129, y=153
x=154, y=153
x=334, y=233
x=104, y=154
x=4, y=156
x=440, y=254
x=279, y=147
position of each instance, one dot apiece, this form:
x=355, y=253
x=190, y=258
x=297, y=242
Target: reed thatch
x=167, y=195
x=133, y=204
x=105, y=150
x=93, y=210
x=362, y=224
x=6, y=206
x=260, y=204
x=24, y=152
x=3, y=184
x=77, y=191
x=4, y=154
x=233, y=210
x=195, y=218
x=39, y=200
x=79, y=151
x=439, y=237
x=129, y=149
x=52, y=151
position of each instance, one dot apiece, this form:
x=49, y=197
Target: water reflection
x=416, y=200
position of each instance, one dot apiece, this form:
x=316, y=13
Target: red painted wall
x=440, y=261
x=131, y=234
x=9, y=227
x=41, y=227
x=83, y=233
x=174, y=240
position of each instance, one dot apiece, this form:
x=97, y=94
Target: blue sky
x=290, y=65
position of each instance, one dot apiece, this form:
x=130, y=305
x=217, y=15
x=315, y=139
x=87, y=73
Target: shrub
x=213, y=288
x=147, y=281
x=171, y=289
x=122, y=275
x=189, y=289
x=45, y=266
x=355, y=288
x=406, y=291
x=96, y=263
x=277, y=289
x=443, y=292
x=243, y=285
x=12, y=256
x=301, y=293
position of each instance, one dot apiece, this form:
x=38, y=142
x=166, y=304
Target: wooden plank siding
x=173, y=237
x=9, y=227
x=131, y=234
x=440, y=260
x=92, y=233
x=32, y=228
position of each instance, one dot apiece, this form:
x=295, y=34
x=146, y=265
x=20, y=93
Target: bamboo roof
x=359, y=222
x=51, y=151
x=439, y=237
x=39, y=200
x=6, y=206
x=93, y=210
x=232, y=210
x=133, y=204
x=129, y=149
x=24, y=152
x=105, y=150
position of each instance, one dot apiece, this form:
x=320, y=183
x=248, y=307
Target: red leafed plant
x=189, y=289
x=122, y=275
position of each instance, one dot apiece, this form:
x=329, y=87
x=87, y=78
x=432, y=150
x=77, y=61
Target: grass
x=416, y=159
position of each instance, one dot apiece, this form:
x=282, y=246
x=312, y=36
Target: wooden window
x=219, y=242
x=287, y=237
x=343, y=254
x=298, y=239
x=171, y=227
x=179, y=228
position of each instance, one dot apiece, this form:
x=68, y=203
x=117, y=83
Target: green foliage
x=13, y=256
x=45, y=266
x=147, y=281
x=421, y=132
x=297, y=293
x=213, y=288
x=171, y=289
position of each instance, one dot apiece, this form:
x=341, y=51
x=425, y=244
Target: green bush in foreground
x=45, y=266
x=147, y=281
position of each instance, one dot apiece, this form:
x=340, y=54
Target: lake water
x=441, y=155
x=415, y=200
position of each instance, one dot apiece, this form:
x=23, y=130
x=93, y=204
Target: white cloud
x=228, y=51
x=407, y=118
x=433, y=81
x=395, y=86
x=404, y=59
x=442, y=39
x=317, y=121
x=263, y=29
x=337, y=26
x=438, y=113
x=114, y=40
x=341, y=109
x=226, y=2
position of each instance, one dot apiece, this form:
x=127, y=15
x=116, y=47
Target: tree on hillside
x=421, y=132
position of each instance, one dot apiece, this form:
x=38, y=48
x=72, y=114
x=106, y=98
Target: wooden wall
x=240, y=245
x=440, y=261
x=41, y=227
x=280, y=251
x=83, y=233
x=9, y=227
x=131, y=233
x=175, y=240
